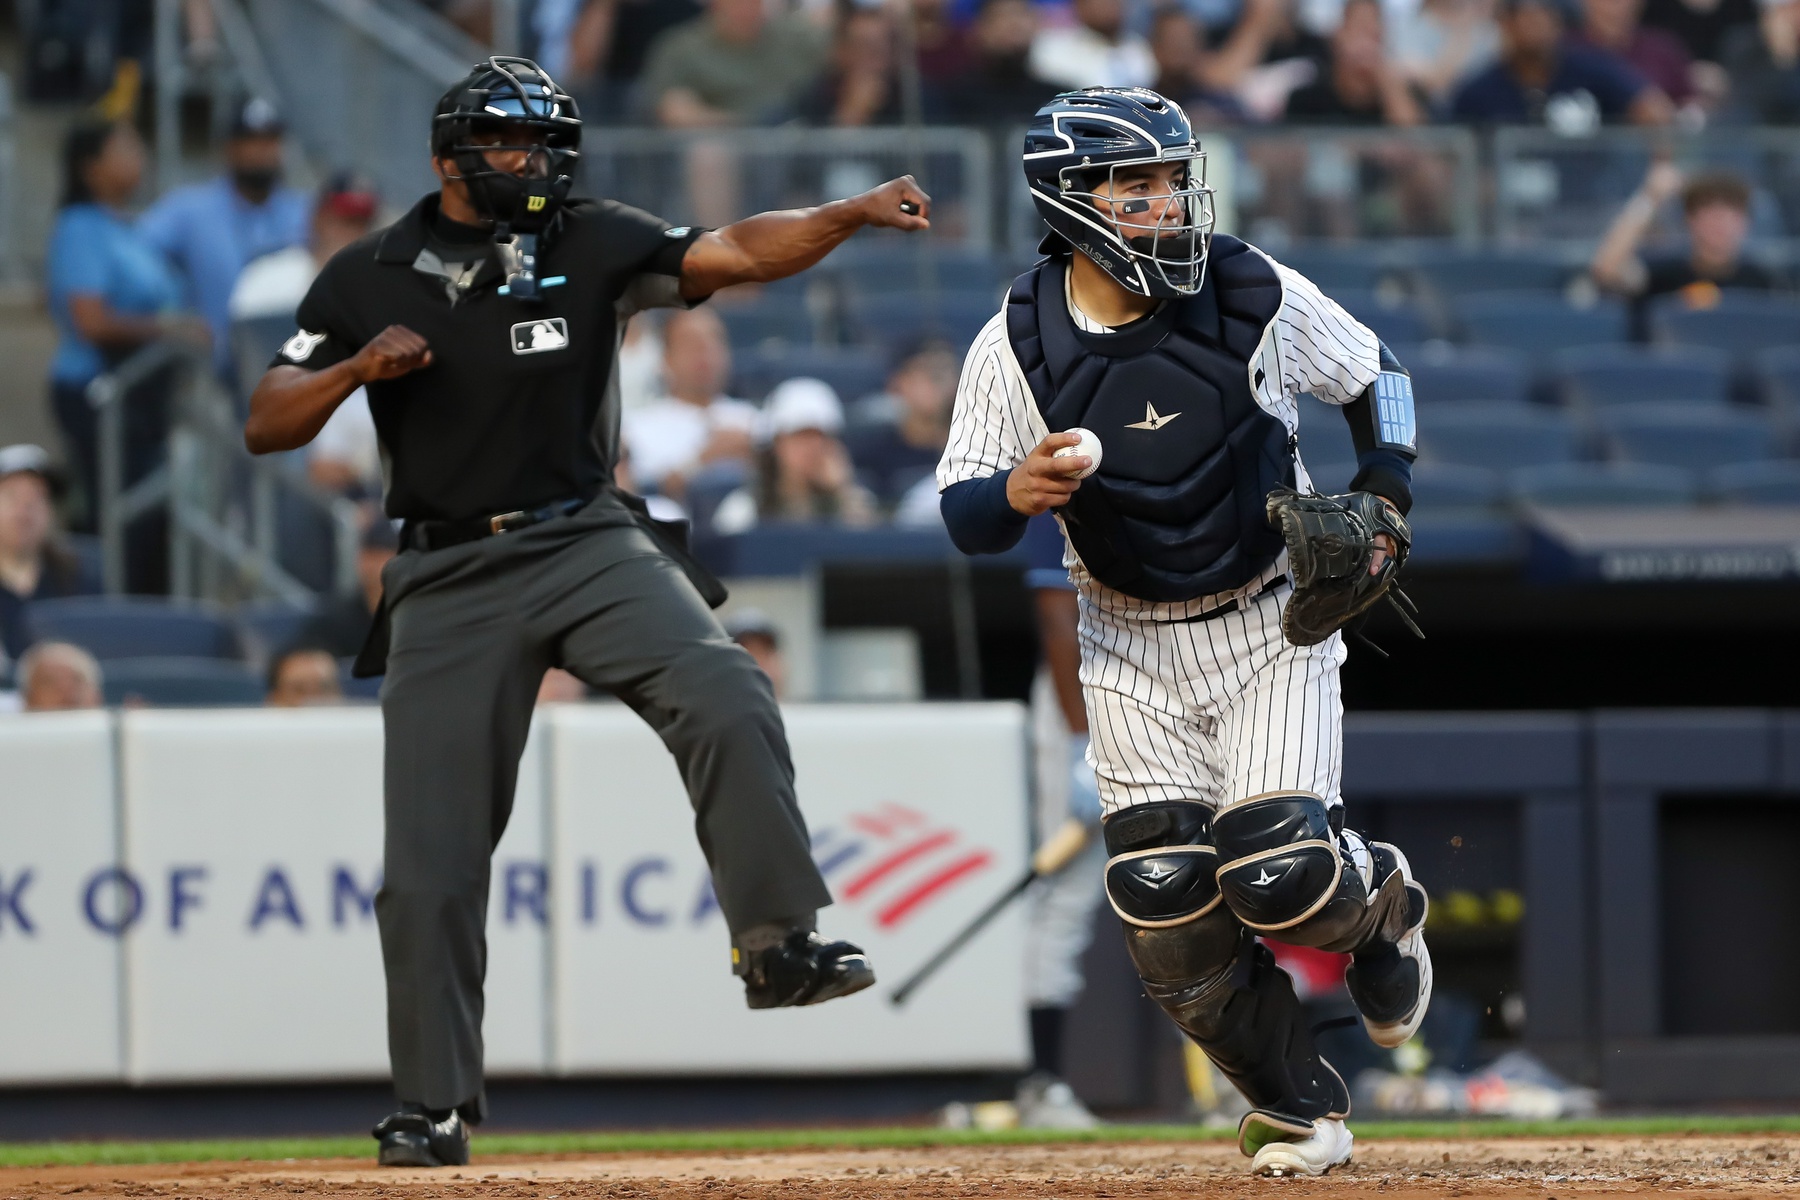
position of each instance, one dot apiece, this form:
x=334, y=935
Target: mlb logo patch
x=535, y=337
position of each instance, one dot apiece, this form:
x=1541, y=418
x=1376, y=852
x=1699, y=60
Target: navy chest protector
x=1176, y=510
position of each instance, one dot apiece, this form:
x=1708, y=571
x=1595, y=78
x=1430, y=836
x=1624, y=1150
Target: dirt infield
x=1398, y=1169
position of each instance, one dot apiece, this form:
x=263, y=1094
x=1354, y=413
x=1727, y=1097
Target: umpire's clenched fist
x=393, y=352
x=1041, y=482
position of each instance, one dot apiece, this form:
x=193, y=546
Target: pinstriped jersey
x=1309, y=345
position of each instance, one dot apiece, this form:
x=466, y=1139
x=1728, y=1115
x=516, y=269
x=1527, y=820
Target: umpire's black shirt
x=519, y=407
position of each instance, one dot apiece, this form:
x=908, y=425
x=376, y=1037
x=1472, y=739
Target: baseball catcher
x=1212, y=586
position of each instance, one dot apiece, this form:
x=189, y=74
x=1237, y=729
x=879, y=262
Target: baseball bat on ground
x=1056, y=853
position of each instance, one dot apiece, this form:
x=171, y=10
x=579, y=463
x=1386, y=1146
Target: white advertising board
x=255, y=837
x=60, y=900
x=918, y=818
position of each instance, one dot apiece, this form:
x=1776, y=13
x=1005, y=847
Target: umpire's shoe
x=802, y=968
x=1391, y=983
x=412, y=1137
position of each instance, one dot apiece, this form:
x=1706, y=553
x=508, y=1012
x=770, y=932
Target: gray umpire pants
x=472, y=629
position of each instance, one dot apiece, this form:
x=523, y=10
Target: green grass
x=37, y=1154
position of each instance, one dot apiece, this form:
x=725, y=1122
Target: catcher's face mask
x=1160, y=212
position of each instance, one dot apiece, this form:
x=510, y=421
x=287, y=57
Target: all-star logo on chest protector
x=535, y=337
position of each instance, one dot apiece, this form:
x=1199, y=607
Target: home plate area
x=1699, y=1166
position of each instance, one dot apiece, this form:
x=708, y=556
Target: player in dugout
x=485, y=325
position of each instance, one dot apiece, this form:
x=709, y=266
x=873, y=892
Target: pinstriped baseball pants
x=1214, y=710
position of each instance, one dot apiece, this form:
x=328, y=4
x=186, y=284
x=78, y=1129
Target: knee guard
x=1204, y=969
x=1290, y=870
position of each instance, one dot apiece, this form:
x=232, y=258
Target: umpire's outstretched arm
x=774, y=245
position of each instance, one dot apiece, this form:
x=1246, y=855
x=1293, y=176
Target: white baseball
x=1088, y=445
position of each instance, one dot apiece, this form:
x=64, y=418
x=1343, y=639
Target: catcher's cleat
x=412, y=1138
x=1391, y=986
x=1283, y=1145
x=802, y=968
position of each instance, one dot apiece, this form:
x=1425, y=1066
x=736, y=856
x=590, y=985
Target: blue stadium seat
x=1440, y=487
x=357, y=690
x=270, y=627
x=1683, y=435
x=1499, y=435
x=1597, y=376
x=1535, y=323
x=754, y=323
x=903, y=271
x=1598, y=485
x=1773, y=482
x=177, y=682
x=852, y=371
x=1324, y=434
x=1337, y=269
x=1453, y=374
x=116, y=627
x=898, y=317
x=1461, y=272
x=1393, y=318
x=708, y=489
x=1777, y=370
x=1741, y=323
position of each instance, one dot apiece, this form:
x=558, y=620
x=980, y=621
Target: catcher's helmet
x=1073, y=151
x=506, y=95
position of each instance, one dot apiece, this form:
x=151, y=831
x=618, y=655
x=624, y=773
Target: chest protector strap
x=1176, y=510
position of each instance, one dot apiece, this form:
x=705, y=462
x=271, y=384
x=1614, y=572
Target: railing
x=9, y=184
x=222, y=503
x=713, y=178
x=1550, y=188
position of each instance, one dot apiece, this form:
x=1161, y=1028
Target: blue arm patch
x=1396, y=427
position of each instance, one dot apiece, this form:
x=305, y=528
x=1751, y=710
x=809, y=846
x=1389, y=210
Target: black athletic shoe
x=412, y=1139
x=803, y=968
x=1391, y=985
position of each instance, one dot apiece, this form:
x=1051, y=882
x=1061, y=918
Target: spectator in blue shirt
x=1542, y=78
x=210, y=230
x=110, y=290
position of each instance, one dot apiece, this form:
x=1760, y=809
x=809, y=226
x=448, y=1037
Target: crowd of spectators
x=1569, y=63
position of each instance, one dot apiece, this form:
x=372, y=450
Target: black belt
x=436, y=535
x=1230, y=606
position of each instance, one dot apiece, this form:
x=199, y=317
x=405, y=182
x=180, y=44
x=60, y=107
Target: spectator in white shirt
x=697, y=426
x=344, y=458
x=1097, y=51
x=804, y=472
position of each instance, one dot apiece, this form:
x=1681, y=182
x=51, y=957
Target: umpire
x=485, y=325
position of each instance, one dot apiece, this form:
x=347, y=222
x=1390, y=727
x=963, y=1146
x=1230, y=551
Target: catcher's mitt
x=1330, y=543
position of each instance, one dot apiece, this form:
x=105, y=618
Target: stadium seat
x=178, y=682
x=1441, y=487
x=1598, y=376
x=1534, y=323
x=1498, y=435
x=117, y=627
x=1597, y=485
x=1324, y=434
x=766, y=320
x=902, y=270
x=1772, y=482
x=1683, y=435
x=1331, y=477
x=1393, y=318
x=1777, y=371
x=1461, y=272
x=708, y=489
x=1337, y=269
x=852, y=371
x=898, y=317
x=1443, y=373
x=270, y=627
x=357, y=690
x=1741, y=323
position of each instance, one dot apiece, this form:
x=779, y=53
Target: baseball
x=1088, y=445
